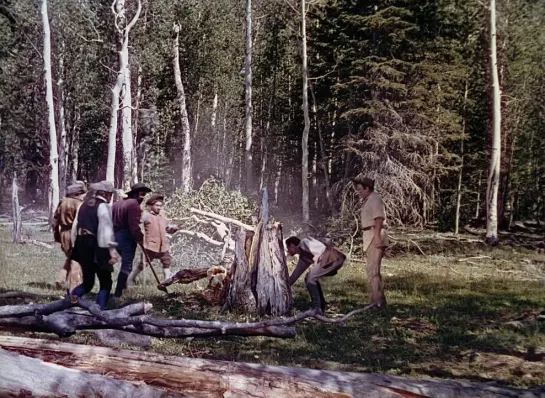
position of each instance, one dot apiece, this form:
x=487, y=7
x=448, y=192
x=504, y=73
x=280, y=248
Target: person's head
x=292, y=244
x=364, y=186
x=138, y=191
x=104, y=189
x=155, y=203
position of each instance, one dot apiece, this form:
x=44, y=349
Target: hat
x=155, y=198
x=75, y=189
x=366, y=182
x=104, y=186
x=138, y=187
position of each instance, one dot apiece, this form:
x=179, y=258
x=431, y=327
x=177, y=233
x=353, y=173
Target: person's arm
x=379, y=222
x=55, y=223
x=302, y=266
x=134, y=214
x=379, y=215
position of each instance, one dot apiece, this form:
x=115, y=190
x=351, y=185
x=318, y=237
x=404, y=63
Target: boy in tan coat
x=156, y=243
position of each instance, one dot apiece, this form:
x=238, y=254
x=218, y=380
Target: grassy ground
x=473, y=319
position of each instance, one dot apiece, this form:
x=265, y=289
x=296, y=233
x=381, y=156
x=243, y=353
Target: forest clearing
x=272, y=198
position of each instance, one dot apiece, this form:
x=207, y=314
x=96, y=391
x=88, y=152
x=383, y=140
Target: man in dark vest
x=126, y=217
x=95, y=247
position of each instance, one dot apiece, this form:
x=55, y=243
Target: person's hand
x=114, y=257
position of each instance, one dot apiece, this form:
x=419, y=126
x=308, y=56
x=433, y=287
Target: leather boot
x=315, y=297
x=322, y=298
x=121, y=284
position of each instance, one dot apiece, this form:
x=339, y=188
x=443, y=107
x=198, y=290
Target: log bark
x=75, y=366
x=240, y=296
x=272, y=289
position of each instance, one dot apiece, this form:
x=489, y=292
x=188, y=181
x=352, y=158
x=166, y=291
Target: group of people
x=94, y=236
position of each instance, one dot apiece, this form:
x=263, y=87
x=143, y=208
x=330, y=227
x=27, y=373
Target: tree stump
x=259, y=275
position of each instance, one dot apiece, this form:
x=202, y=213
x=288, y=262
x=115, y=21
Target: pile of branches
x=191, y=212
x=65, y=317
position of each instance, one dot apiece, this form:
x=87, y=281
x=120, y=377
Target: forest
x=296, y=97
x=253, y=118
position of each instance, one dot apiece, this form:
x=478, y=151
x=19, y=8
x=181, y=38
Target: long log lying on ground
x=208, y=378
x=55, y=318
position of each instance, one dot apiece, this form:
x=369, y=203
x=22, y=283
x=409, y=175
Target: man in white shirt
x=95, y=247
x=375, y=239
x=326, y=260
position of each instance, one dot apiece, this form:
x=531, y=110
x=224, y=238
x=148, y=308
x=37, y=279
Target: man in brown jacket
x=375, y=239
x=156, y=242
x=64, y=217
x=325, y=259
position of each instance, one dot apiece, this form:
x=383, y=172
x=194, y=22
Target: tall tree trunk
x=478, y=206
x=495, y=152
x=248, y=97
x=136, y=139
x=187, y=172
x=63, y=156
x=306, y=130
x=53, y=154
x=461, y=171
x=73, y=159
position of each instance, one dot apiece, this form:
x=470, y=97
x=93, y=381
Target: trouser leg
x=314, y=289
x=166, y=261
x=374, y=279
x=127, y=250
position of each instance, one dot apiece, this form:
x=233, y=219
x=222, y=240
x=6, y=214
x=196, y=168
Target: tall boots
x=102, y=298
x=121, y=284
x=316, y=296
x=167, y=272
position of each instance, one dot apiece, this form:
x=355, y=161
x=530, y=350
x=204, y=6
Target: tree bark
x=17, y=222
x=461, y=171
x=495, y=152
x=78, y=370
x=53, y=154
x=240, y=296
x=248, y=97
x=63, y=156
x=304, y=141
x=187, y=171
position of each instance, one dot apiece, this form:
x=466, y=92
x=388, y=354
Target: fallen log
x=208, y=378
x=226, y=220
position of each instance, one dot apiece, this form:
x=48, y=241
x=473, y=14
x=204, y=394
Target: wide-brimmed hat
x=75, y=189
x=155, y=198
x=104, y=186
x=138, y=187
x=366, y=182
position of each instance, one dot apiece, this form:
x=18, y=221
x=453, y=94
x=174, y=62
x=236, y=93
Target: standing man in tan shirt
x=375, y=239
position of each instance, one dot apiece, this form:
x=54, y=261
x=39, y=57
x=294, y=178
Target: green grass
x=471, y=319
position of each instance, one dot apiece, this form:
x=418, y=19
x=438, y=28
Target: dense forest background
x=397, y=90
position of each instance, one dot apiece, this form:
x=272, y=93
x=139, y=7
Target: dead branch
x=472, y=258
x=200, y=235
x=222, y=218
x=37, y=243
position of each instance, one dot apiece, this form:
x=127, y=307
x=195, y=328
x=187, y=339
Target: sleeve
x=145, y=218
x=134, y=215
x=105, y=232
x=377, y=208
x=55, y=223
x=302, y=266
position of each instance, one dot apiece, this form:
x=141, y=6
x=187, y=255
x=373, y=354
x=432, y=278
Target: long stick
x=159, y=286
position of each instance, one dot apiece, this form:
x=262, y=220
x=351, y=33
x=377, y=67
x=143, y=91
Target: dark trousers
x=94, y=260
x=126, y=247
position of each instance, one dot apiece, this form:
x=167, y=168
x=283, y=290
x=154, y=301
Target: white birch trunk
x=248, y=96
x=73, y=159
x=118, y=8
x=63, y=156
x=495, y=152
x=461, y=172
x=304, y=141
x=53, y=154
x=134, y=173
x=187, y=172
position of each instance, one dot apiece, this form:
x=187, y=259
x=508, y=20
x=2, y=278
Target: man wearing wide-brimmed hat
x=95, y=247
x=375, y=239
x=156, y=243
x=64, y=217
x=126, y=217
